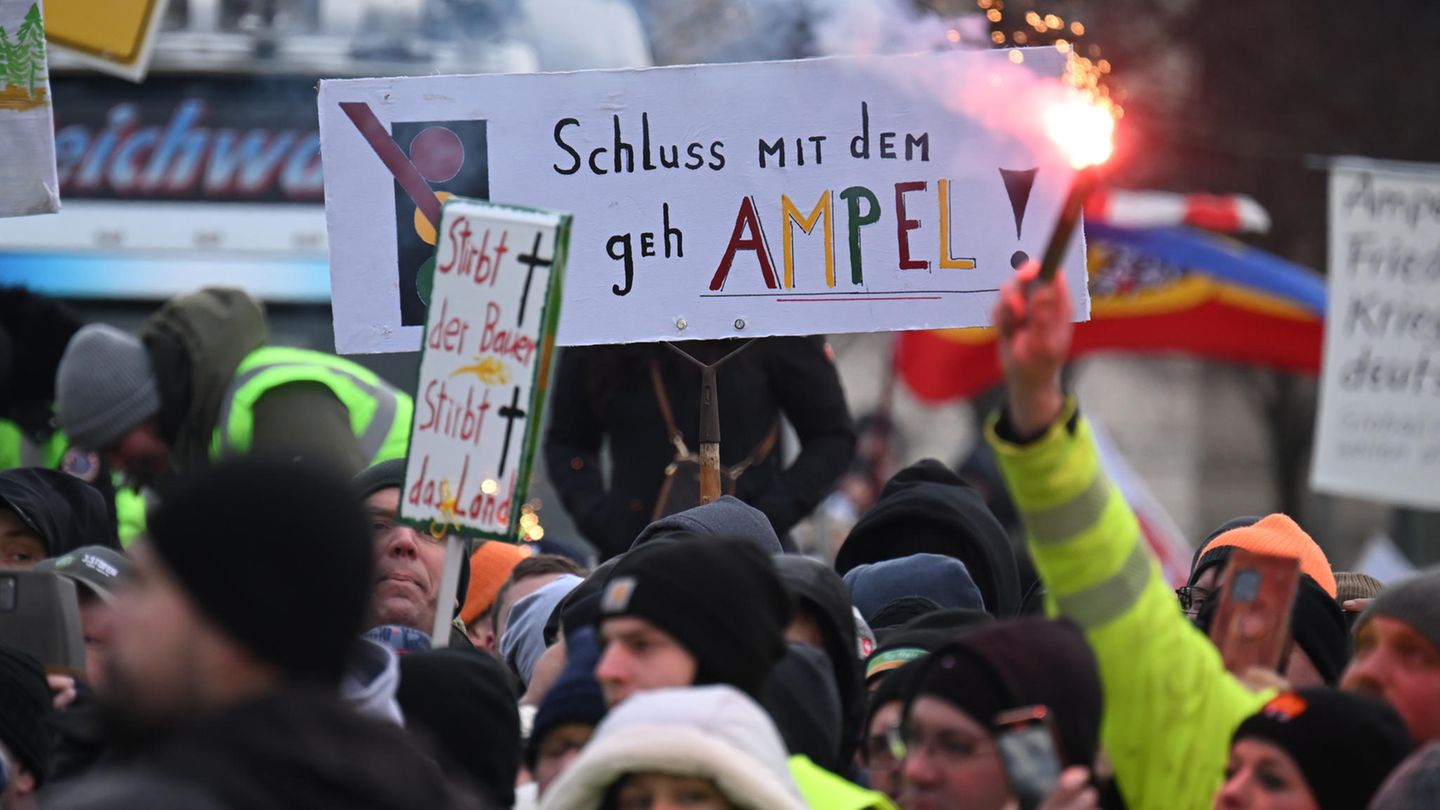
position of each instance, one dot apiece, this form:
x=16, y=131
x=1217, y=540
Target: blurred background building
x=209, y=172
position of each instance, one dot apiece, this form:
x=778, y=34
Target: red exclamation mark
x=1018, y=183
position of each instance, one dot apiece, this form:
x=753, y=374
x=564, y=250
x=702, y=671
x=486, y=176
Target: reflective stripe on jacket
x=824, y=790
x=1170, y=706
x=379, y=413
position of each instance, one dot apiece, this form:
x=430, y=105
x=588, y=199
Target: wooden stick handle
x=709, y=471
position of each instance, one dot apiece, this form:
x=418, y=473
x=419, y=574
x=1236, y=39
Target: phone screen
x=1246, y=585
x=1031, y=762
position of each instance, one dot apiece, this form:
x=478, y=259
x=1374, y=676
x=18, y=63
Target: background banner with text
x=1378, y=430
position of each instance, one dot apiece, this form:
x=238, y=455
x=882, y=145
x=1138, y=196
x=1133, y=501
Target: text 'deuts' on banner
x=1378, y=430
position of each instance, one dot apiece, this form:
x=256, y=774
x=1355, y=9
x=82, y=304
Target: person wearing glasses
x=1275, y=534
x=954, y=729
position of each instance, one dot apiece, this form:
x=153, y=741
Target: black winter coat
x=605, y=393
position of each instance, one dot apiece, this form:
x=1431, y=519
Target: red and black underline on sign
x=847, y=297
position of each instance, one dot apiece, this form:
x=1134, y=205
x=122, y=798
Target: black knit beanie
x=1344, y=743
x=385, y=475
x=1318, y=627
x=464, y=701
x=298, y=608
x=25, y=709
x=719, y=597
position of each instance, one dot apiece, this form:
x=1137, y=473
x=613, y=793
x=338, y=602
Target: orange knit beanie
x=1280, y=536
x=490, y=566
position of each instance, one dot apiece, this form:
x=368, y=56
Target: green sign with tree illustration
x=28, y=183
x=22, y=63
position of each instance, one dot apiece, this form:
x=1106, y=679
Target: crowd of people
x=267, y=638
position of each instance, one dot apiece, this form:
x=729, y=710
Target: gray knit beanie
x=1415, y=601
x=104, y=386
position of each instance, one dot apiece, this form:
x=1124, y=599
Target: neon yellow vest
x=129, y=514
x=17, y=451
x=823, y=789
x=379, y=413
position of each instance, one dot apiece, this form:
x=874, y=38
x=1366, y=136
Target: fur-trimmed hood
x=710, y=732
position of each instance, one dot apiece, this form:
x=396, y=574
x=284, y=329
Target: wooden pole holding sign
x=709, y=437
x=710, y=489
x=449, y=583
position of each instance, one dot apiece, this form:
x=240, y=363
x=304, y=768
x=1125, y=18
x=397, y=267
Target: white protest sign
x=768, y=198
x=1378, y=430
x=484, y=368
x=28, y=183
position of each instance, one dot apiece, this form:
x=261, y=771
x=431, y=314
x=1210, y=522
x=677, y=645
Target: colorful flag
x=1154, y=290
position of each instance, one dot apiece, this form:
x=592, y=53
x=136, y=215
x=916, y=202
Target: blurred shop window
x=288, y=16
x=468, y=19
x=585, y=34
x=177, y=16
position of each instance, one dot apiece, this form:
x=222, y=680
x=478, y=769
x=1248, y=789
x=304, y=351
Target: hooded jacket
x=523, y=641
x=288, y=749
x=709, y=732
x=927, y=508
x=195, y=342
x=370, y=682
x=726, y=516
x=819, y=591
x=801, y=698
x=935, y=581
x=64, y=511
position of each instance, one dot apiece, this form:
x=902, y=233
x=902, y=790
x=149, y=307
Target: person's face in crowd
x=805, y=629
x=142, y=454
x=1300, y=671
x=638, y=656
x=1260, y=776
x=950, y=761
x=557, y=751
x=1402, y=667
x=19, y=794
x=162, y=650
x=884, y=767
x=97, y=622
x=20, y=547
x=1206, y=587
x=517, y=591
x=481, y=632
x=661, y=791
x=547, y=669
x=407, y=567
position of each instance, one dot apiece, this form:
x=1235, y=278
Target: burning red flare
x=1083, y=130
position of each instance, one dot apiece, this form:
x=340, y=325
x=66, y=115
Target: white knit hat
x=105, y=387
x=708, y=732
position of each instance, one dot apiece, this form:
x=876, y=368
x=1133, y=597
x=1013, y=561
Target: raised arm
x=1170, y=706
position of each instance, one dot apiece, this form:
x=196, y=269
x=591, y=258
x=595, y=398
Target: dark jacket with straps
x=604, y=393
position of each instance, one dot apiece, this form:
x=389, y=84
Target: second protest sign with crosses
x=745, y=200
x=488, y=342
